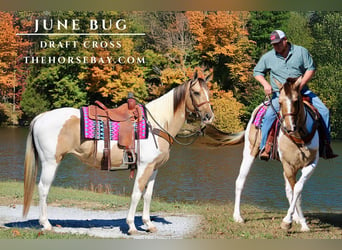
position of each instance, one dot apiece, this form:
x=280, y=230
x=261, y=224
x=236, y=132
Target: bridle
x=296, y=140
x=281, y=117
x=194, y=104
x=160, y=131
x=293, y=114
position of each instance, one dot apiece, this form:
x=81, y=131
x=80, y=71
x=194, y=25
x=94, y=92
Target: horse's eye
x=196, y=93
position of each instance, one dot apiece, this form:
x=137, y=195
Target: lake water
x=193, y=173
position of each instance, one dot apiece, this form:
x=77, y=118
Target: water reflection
x=193, y=173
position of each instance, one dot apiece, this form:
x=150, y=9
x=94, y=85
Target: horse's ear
x=195, y=77
x=278, y=83
x=208, y=77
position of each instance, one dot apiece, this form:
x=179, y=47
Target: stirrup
x=129, y=157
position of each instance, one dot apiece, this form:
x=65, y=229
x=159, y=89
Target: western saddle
x=126, y=114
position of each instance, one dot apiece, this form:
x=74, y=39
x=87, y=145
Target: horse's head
x=198, y=100
x=290, y=104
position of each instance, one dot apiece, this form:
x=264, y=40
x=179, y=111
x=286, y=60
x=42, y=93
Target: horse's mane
x=179, y=95
x=291, y=80
x=180, y=92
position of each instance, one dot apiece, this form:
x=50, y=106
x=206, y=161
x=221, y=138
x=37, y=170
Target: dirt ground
x=103, y=224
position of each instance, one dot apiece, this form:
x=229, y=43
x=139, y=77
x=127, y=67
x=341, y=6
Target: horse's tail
x=31, y=166
x=224, y=138
x=235, y=138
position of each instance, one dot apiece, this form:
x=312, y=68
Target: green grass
x=217, y=221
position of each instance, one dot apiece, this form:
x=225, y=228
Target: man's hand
x=268, y=89
x=265, y=84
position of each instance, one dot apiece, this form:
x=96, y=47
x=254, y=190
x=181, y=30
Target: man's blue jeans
x=270, y=115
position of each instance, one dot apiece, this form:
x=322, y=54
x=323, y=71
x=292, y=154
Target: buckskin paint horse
x=295, y=152
x=55, y=133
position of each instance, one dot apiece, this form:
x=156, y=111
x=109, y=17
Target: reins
x=166, y=135
x=278, y=117
x=267, y=98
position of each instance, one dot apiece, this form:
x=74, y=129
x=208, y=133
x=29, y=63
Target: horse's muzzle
x=208, y=118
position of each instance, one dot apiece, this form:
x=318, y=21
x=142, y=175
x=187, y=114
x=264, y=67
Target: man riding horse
x=283, y=61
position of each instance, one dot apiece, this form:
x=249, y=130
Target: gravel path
x=104, y=224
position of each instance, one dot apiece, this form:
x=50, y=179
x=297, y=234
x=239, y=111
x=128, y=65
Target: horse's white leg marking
x=138, y=188
x=298, y=215
x=135, y=197
x=46, y=132
x=297, y=190
x=147, y=202
x=46, y=179
x=289, y=194
x=239, y=185
x=246, y=165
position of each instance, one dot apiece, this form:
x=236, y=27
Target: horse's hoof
x=152, y=230
x=46, y=226
x=305, y=229
x=296, y=219
x=285, y=225
x=238, y=219
x=132, y=232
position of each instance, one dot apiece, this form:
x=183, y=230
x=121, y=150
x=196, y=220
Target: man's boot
x=328, y=152
x=264, y=155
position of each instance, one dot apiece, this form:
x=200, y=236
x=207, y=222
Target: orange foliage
x=115, y=81
x=223, y=33
x=127, y=81
x=11, y=47
x=201, y=72
x=172, y=76
x=8, y=48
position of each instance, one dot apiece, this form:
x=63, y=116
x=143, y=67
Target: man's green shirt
x=294, y=65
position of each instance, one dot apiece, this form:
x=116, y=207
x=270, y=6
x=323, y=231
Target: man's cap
x=276, y=36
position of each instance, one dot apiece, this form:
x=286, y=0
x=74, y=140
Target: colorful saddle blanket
x=94, y=130
x=260, y=115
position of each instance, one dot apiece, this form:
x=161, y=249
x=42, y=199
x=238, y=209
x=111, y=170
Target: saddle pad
x=260, y=114
x=91, y=130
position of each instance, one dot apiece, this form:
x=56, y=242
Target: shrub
x=8, y=116
x=227, y=111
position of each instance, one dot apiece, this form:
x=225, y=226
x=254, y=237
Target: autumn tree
x=12, y=48
x=166, y=32
x=227, y=109
x=111, y=82
x=223, y=44
x=8, y=53
x=169, y=49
